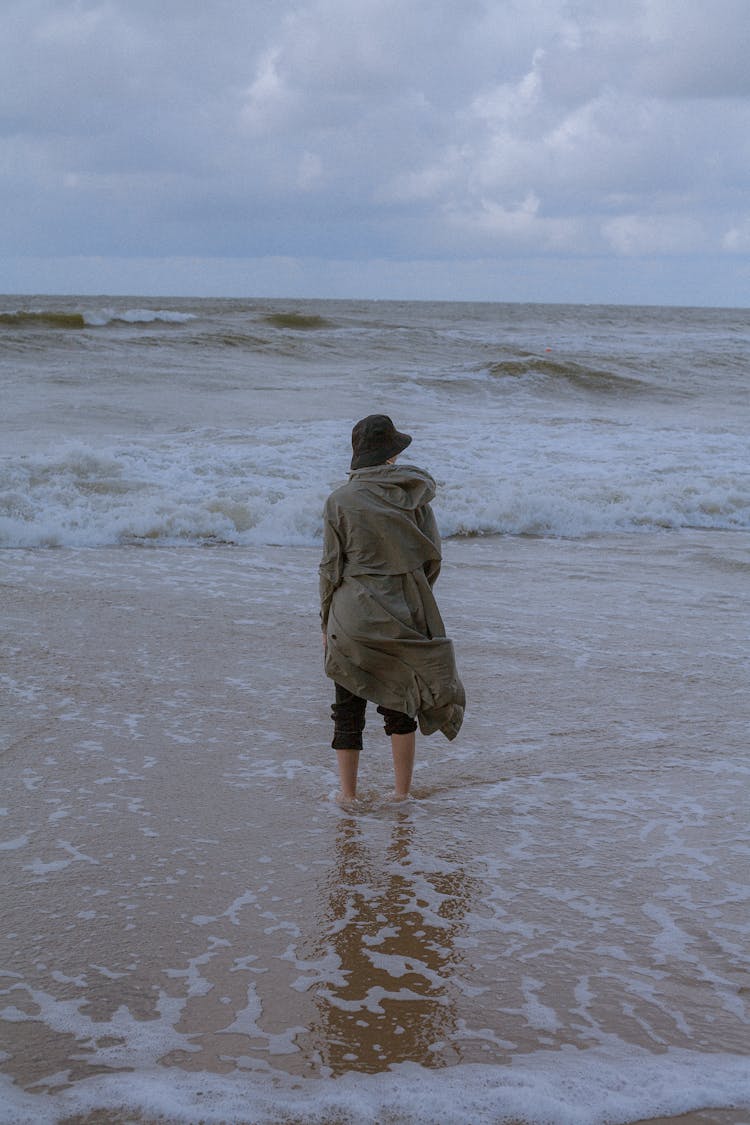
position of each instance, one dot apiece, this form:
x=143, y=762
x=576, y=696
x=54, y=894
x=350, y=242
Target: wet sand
x=189, y=914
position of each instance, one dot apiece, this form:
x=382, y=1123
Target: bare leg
x=403, y=748
x=348, y=763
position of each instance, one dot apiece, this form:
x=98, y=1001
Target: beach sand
x=187, y=909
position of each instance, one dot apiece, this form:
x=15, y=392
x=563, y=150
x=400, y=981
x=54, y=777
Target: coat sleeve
x=428, y=526
x=331, y=567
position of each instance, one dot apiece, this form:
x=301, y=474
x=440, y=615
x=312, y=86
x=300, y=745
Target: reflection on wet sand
x=392, y=924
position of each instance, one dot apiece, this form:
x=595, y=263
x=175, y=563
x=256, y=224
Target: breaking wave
x=209, y=490
x=95, y=318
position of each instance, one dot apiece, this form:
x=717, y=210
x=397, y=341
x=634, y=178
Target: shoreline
x=185, y=896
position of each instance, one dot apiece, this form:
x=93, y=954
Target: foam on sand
x=615, y=1085
x=553, y=930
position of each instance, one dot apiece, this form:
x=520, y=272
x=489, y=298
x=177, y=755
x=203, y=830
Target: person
x=383, y=635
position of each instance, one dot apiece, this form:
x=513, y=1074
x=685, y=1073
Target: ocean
x=202, y=422
x=555, y=928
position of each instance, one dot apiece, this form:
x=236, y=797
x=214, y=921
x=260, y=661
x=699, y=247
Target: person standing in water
x=383, y=634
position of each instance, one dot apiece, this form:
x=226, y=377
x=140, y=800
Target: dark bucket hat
x=374, y=440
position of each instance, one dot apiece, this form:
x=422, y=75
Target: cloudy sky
x=582, y=150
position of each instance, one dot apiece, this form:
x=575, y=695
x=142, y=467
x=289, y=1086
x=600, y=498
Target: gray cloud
x=374, y=129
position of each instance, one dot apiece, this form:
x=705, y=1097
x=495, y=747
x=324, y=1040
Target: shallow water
x=555, y=928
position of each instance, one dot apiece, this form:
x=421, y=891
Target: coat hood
x=401, y=486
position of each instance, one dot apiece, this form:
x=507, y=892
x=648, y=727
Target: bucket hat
x=374, y=440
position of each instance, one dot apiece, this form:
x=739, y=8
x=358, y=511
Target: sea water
x=205, y=421
x=555, y=928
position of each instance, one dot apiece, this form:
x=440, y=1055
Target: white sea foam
x=99, y=318
x=615, y=1084
x=569, y=480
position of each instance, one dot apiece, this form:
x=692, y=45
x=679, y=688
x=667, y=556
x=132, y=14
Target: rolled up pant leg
x=348, y=714
x=396, y=722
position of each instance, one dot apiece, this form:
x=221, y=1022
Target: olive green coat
x=386, y=640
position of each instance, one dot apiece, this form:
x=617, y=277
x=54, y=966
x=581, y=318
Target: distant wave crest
x=299, y=321
x=102, y=317
x=42, y=320
x=98, y=318
x=574, y=374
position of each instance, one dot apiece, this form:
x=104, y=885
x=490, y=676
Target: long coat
x=386, y=640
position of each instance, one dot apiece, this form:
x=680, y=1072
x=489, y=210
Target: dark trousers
x=348, y=714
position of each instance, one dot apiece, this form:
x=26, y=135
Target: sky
x=500, y=150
